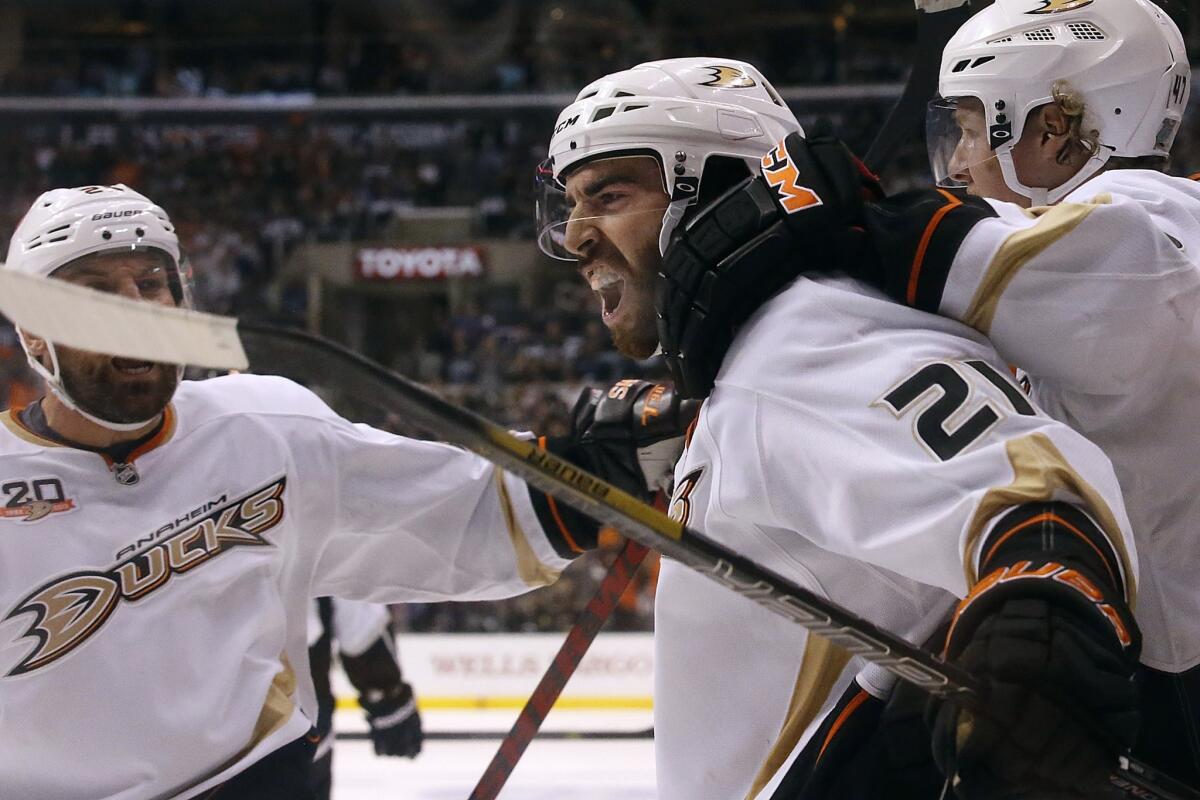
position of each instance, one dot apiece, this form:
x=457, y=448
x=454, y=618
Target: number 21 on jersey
x=944, y=423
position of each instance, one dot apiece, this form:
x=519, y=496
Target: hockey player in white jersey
x=161, y=540
x=366, y=648
x=1077, y=257
x=876, y=454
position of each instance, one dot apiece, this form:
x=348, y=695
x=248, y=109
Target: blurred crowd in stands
x=318, y=47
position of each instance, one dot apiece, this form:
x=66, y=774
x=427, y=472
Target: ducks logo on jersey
x=680, y=509
x=69, y=610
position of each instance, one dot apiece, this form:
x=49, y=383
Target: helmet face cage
x=178, y=276
x=955, y=144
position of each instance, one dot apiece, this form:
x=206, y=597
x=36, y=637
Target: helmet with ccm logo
x=681, y=111
x=1125, y=58
x=63, y=225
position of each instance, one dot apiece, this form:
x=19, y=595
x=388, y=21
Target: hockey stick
x=937, y=21
x=573, y=648
x=360, y=376
x=327, y=361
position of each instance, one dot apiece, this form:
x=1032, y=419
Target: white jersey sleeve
x=169, y=602
x=1089, y=292
x=357, y=625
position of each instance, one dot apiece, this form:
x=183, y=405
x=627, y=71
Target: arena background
x=364, y=169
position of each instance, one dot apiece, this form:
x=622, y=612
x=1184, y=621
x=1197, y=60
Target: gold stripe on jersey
x=1039, y=470
x=823, y=662
x=531, y=569
x=277, y=708
x=1053, y=223
x=276, y=711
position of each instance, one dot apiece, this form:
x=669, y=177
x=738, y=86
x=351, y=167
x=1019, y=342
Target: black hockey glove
x=1051, y=639
x=802, y=213
x=395, y=722
x=631, y=435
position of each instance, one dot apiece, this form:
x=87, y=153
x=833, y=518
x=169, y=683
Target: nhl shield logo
x=1058, y=6
x=126, y=474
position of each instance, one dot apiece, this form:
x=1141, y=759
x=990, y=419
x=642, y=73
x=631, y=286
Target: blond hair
x=1075, y=110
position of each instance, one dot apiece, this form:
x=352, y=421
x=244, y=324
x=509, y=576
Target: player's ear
x=1053, y=125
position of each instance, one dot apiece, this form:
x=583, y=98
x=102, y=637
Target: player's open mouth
x=609, y=287
x=127, y=366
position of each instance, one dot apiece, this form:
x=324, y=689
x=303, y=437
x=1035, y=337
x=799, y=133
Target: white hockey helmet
x=66, y=224
x=1125, y=58
x=681, y=111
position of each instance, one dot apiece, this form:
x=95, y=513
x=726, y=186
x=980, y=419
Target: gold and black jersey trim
x=1040, y=471
x=823, y=662
x=12, y=420
x=917, y=235
x=1053, y=224
x=531, y=569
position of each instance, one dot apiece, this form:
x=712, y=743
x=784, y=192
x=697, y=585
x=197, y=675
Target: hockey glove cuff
x=631, y=435
x=1049, y=635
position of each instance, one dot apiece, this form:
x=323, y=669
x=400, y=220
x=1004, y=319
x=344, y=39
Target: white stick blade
x=86, y=319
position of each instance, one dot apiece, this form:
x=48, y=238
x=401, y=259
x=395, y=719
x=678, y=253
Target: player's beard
x=636, y=334
x=96, y=386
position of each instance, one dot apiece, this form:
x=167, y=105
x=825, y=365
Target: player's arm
x=401, y=519
x=1049, y=634
x=366, y=645
x=1085, y=293
x=1022, y=519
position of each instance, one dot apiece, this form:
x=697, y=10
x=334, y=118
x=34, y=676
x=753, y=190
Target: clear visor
x=562, y=221
x=957, y=137
x=153, y=269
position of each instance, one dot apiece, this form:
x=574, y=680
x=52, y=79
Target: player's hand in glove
x=803, y=213
x=395, y=722
x=631, y=435
x=1052, y=641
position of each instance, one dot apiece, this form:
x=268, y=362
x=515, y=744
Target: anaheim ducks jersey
x=1097, y=300
x=862, y=449
x=153, y=632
